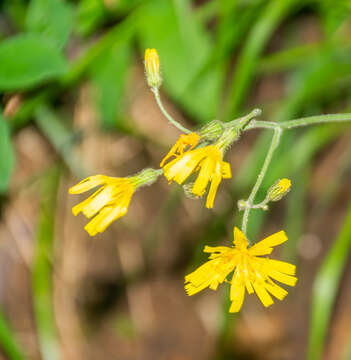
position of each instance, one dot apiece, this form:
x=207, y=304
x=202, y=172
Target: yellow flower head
x=279, y=189
x=208, y=161
x=108, y=203
x=250, y=271
x=185, y=142
x=152, y=68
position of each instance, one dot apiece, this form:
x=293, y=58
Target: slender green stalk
x=166, y=114
x=250, y=200
x=306, y=121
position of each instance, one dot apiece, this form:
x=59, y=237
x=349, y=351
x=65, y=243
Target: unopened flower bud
x=279, y=189
x=152, y=68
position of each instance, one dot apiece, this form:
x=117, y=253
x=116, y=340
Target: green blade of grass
x=325, y=290
x=8, y=341
x=42, y=269
x=261, y=31
x=287, y=59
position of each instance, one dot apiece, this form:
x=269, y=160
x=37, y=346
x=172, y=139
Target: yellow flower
x=251, y=272
x=152, y=68
x=111, y=201
x=185, y=142
x=208, y=161
x=279, y=189
x=108, y=203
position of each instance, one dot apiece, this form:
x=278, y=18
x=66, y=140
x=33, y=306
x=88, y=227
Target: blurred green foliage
x=7, y=156
x=212, y=55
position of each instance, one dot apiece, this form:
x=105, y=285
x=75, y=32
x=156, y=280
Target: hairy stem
x=306, y=121
x=250, y=200
x=166, y=114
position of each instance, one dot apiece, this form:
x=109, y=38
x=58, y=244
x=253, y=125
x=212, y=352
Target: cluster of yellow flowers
x=198, y=153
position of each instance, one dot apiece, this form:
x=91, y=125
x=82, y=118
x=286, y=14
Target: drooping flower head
x=108, y=203
x=251, y=272
x=208, y=161
x=111, y=200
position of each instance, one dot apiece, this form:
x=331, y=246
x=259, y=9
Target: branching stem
x=251, y=199
x=306, y=121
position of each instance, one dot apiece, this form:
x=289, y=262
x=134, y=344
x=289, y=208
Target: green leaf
x=7, y=159
x=28, y=60
x=51, y=18
x=325, y=289
x=109, y=74
x=185, y=49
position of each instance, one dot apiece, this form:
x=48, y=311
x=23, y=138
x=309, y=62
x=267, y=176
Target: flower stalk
x=261, y=175
x=166, y=114
x=305, y=121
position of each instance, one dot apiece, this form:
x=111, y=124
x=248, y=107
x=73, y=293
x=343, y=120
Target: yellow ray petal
x=240, y=240
x=88, y=184
x=249, y=287
x=211, y=249
x=204, y=176
x=276, y=290
x=185, y=141
x=192, y=290
x=282, y=266
x=216, y=179
x=262, y=293
x=283, y=278
x=180, y=168
x=226, y=170
x=237, y=293
x=104, y=218
x=95, y=203
x=264, y=246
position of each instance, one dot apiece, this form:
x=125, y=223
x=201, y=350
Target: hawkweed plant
x=202, y=152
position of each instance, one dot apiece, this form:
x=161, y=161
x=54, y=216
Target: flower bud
x=152, y=68
x=279, y=189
